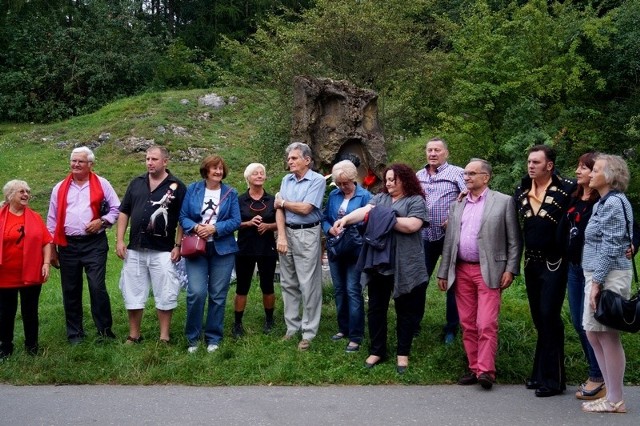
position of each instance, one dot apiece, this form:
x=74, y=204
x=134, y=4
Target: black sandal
x=594, y=393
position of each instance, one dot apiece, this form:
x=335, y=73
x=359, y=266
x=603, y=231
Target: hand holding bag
x=192, y=245
x=347, y=244
x=615, y=311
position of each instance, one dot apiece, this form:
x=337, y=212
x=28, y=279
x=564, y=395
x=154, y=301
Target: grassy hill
x=39, y=154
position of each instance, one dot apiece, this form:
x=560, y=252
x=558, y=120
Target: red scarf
x=32, y=258
x=96, y=195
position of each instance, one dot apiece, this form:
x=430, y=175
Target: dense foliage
x=492, y=76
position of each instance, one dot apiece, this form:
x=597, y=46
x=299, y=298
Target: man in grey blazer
x=481, y=255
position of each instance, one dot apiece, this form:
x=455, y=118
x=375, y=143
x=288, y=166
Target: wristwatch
x=103, y=223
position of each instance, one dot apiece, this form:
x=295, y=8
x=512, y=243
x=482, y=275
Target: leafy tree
x=519, y=78
x=372, y=43
x=59, y=62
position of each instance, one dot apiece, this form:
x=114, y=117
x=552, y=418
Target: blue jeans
x=207, y=275
x=349, y=299
x=575, y=290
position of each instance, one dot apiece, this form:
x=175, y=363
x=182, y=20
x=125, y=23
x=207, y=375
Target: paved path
x=277, y=405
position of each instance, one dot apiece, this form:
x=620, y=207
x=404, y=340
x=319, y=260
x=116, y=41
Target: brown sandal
x=132, y=340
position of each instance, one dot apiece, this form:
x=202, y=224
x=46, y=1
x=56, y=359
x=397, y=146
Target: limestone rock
x=336, y=118
x=212, y=100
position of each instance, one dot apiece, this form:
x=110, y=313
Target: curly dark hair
x=407, y=176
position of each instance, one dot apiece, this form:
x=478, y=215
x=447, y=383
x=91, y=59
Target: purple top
x=79, y=213
x=470, y=226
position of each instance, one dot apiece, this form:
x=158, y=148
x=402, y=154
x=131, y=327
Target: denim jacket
x=228, y=215
x=360, y=199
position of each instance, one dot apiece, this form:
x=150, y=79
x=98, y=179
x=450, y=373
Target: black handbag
x=346, y=245
x=617, y=312
x=614, y=310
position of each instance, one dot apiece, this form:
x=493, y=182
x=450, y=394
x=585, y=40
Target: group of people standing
x=575, y=234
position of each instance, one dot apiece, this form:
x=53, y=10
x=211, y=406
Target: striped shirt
x=608, y=236
x=440, y=189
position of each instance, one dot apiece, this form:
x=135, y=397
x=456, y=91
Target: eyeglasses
x=473, y=174
x=260, y=207
x=79, y=162
x=341, y=184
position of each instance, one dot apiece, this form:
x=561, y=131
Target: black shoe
x=73, y=341
x=370, y=365
x=468, y=379
x=107, y=334
x=238, y=330
x=401, y=369
x=544, y=392
x=267, y=328
x=338, y=336
x=352, y=347
x=486, y=381
x=531, y=384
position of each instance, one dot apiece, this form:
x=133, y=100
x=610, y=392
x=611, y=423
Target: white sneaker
x=192, y=349
x=212, y=347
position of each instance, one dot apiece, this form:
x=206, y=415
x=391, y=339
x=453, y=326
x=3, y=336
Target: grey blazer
x=499, y=240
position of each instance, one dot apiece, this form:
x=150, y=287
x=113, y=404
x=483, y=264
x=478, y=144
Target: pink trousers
x=478, y=308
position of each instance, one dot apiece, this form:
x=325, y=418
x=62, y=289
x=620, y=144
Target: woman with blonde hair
x=347, y=197
x=25, y=258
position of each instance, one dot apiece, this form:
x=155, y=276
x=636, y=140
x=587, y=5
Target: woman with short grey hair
x=607, y=238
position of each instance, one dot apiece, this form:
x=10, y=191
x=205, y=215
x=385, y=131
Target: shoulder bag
x=347, y=244
x=615, y=311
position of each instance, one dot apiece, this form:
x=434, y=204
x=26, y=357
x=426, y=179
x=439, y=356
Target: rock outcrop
x=336, y=118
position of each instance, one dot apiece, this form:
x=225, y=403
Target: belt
x=83, y=237
x=303, y=225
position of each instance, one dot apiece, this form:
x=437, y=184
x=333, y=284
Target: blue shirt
x=608, y=236
x=309, y=189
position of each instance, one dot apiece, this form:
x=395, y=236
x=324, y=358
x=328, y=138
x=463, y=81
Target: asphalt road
x=277, y=405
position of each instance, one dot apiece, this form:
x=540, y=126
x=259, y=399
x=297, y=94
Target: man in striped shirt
x=442, y=183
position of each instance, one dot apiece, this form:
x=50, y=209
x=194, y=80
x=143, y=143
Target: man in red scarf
x=82, y=206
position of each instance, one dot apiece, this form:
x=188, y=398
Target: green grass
x=266, y=360
x=39, y=154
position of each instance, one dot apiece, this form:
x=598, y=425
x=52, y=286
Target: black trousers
x=546, y=286
x=29, y=297
x=88, y=254
x=408, y=310
x=244, y=273
x=432, y=252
